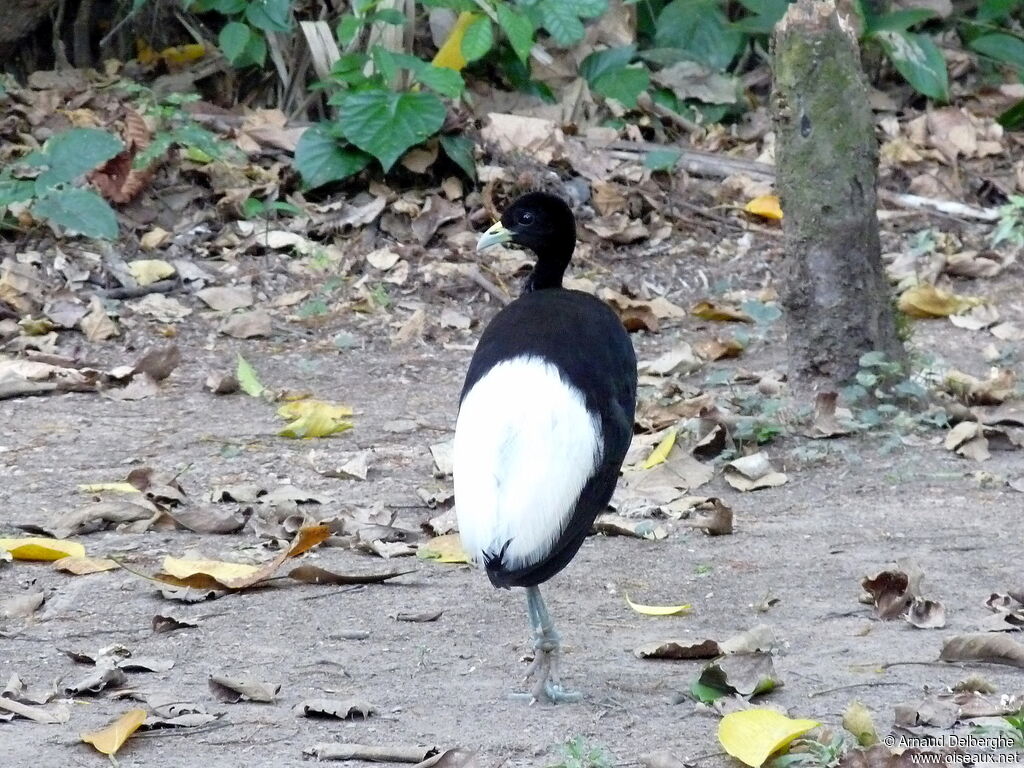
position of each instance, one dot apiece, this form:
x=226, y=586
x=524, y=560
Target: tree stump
x=837, y=299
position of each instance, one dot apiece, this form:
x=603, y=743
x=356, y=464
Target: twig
x=472, y=271
x=948, y=207
x=647, y=104
x=870, y=684
x=135, y=291
x=343, y=590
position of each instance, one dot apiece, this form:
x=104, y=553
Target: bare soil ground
x=808, y=543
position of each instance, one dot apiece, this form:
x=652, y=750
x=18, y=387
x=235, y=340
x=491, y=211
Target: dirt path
x=808, y=544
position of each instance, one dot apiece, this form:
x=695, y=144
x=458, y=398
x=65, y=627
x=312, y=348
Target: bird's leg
x=546, y=647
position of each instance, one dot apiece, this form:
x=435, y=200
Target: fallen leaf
x=968, y=439
x=659, y=610
x=926, y=614
x=995, y=649
x=444, y=549
x=315, y=423
x=752, y=473
x=709, y=310
x=52, y=714
x=248, y=325
x=248, y=379
x=890, y=593
x=149, y=271
x=679, y=360
x=534, y=137
x=743, y=674
x=661, y=451
x=927, y=301
x=342, y=709
x=711, y=516
x=617, y=525
x=41, y=549
x=81, y=566
x=102, y=677
x=312, y=574
x=826, y=417
x=419, y=618
x=754, y=735
x=296, y=409
x=226, y=298
x=221, y=383
x=678, y=649
x=766, y=206
x=232, y=690
x=97, y=325
x=164, y=623
x=216, y=571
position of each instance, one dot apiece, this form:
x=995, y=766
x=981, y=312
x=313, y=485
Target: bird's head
x=544, y=224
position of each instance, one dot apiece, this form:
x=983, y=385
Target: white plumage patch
x=525, y=445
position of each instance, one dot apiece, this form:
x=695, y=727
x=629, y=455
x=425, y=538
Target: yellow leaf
x=296, y=409
x=766, y=206
x=108, y=487
x=110, y=739
x=444, y=549
x=145, y=53
x=80, y=566
x=179, y=55
x=754, y=735
x=314, y=418
x=214, y=574
x=709, y=310
x=661, y=451
x=450, y=53
x=659, y=610
x=42, y=549
x=926, y=301
x=148, y=271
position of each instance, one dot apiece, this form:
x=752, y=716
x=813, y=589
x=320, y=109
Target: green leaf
x=228, y=7
x=1006, y=48
x=587, y=9
x=255, y=52
x=701, y=30
x=478, y=39
x=248, y=379
x=460, y=151
x=233, y=40
x=919, y=61
x=662, y=159
x=518, y=29
x=604, y=62
x=899, y=21
x=1013, y=118
x=445, y=81
x=387, y=16
x=993, y=10
x=564, y=25
x=767, y=13
x=386, y=124
x=78, y=210
x=270, y=15
x=68, y=155
x=320, y=158
x=623, y=85
x=15, y=190
x=347, y=29
x=253, y=207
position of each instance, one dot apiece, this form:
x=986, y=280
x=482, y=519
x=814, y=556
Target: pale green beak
x=494, y=236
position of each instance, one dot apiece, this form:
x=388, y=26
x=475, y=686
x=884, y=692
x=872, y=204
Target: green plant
x=1010, y=228
x=1009, y=733
x=825, y=752
x=243, y=39
x=578, y=753
x=47, y=180
x=254, y=208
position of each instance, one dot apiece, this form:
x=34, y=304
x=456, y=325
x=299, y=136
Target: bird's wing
x=525, y=445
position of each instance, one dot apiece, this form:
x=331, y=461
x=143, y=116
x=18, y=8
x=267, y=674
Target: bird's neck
x=549, y=270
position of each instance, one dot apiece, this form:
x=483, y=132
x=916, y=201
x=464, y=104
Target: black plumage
x=584, y=341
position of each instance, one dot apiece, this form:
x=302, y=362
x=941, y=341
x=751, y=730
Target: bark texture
x=835, y=292
x=21, y=17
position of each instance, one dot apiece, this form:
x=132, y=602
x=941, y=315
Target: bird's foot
x=544, y=668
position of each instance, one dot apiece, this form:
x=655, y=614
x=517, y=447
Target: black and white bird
x=545, y=419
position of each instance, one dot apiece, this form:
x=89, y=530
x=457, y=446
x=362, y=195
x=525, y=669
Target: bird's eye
x=524, y=217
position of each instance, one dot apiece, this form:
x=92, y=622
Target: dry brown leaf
x=616, y=525
x=534, y=137
x=710, y=310
x=926, y=301
x=995, y=649
x=752, y=473
x=97, y=325
x=312, y=574
x=341, y=709
x=226, y=298
x=678, y=649
x=21, y=606
x=81, y=566
x=248, y=325
x=232, y=690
